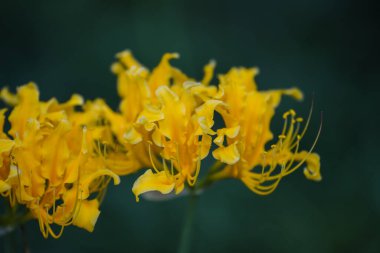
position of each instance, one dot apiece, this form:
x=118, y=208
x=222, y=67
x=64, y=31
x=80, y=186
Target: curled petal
x=75, y=100
x=88, y=179
x=148, y=116
x=312, y=170
x=88, y=214
x=4, y=186
x=8, y=97
x=209, y=72
x=163, y=72
x=157, y=138
x=27, y=108
x=150, y=181
x=230, y=132
x=190, y=84
x=166, y=95
x=205, y=146
x=294, y=92
x=127, y=59
x=241, y=76
x=206, y=114
x=132, y=136
x=229, y=155
x=204, y=127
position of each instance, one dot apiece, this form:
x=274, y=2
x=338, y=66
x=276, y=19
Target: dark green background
x=324, y=47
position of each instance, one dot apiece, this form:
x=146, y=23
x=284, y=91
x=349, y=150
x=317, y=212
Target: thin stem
x=185, y=241
x=9, y=245
x=25, y=238
x=211, y=177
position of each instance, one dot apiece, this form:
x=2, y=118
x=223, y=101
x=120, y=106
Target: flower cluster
x=57, y=159
x=167, y=125
x=54, y=160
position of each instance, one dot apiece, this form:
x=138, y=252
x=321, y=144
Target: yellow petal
x=132, y=136
x=204, y=126
x=294, y=92
x=179, y=187
x=55, y=154
x=6, y=145
x=150, y=181
x=174, y=110
x=89, y=178
x=157, y=137
x=14, y=178
x=4, y=186
x=312, y=170
x=205, y=145
x=121, y=164
x=127, y=59
x=2, y=119
x=243, y=77
x=190, y=84
x=88, y=214
x=75, y=100
x=8, y=97
x=219, y=138
x=229, y=155
x=28, y=107
x=230, y=132
x=206, y=114
x=209, y=72
x=166, y=95
x=149, y=115
x=70, y=202
x=163, y=72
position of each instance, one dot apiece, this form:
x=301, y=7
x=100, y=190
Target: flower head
x=165, y=121
x=242, y=143
x=169, y=118
x=51, y=162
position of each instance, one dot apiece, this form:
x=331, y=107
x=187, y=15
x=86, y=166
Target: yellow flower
x=182, y=143
x=52, y=163
x=165, y=121
x=169, y=118
x=242, y=143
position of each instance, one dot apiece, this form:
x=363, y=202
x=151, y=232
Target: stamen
x=53, y=234
x=41, y=223
x=70, y=217
x=166, y=169
x=53, y=215
x=295, y=135
x=308, y=118
x=178, y=160
x=151, y=159
x=285, y=116
x=197, y=170
x=310, y=151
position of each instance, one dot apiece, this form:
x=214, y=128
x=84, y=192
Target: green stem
x=9, y=245
x=24, y=238
x=185, y=241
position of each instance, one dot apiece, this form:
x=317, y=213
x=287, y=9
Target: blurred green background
x=324, y=47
